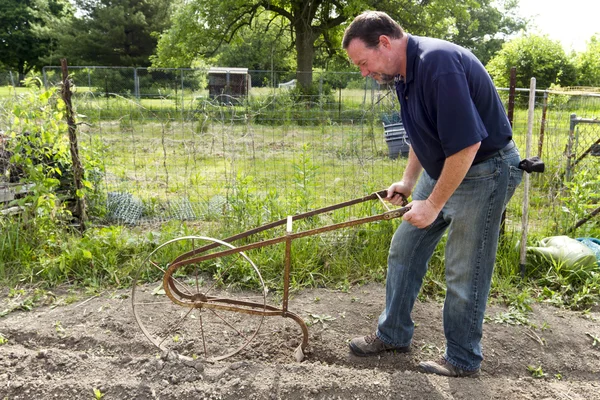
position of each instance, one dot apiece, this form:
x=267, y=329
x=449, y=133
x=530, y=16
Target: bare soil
x=67, y=349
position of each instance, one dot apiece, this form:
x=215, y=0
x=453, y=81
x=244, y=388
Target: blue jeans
x=472, y=217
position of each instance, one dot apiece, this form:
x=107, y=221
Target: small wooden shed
x=223, y=82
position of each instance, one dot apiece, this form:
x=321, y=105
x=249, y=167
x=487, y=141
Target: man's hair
x=368, y=26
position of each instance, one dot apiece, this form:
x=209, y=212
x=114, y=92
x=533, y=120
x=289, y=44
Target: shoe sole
x=433, y=370
x=357, y=352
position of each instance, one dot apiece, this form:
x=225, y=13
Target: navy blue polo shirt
x=448, y=103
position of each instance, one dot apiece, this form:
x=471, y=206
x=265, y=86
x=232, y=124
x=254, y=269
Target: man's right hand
x=395, y=191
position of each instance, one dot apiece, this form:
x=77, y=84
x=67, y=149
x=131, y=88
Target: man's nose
x=364, y=71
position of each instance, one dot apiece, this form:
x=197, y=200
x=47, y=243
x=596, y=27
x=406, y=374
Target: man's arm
x=409, y=179
x=424, y=212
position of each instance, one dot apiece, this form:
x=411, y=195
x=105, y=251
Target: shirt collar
x=412, y=47
x=411, y=55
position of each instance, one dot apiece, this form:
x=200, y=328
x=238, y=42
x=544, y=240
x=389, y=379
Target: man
x=462, y=140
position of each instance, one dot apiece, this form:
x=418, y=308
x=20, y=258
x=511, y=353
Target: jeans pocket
x=514, y=179
x=484, y=170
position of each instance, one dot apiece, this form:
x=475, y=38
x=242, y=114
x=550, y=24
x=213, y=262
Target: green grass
x=236, y=174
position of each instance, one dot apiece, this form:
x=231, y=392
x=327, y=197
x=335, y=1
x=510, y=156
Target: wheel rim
x=187, y=312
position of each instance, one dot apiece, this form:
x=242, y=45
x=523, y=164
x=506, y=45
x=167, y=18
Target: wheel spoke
x=202, y=332
x=176, y=326
x=226, y=322
x=222, y=273
x=151, y=303
x=215, y=334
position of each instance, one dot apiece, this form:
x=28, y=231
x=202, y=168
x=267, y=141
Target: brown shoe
x=443, y=367
x=371, y=345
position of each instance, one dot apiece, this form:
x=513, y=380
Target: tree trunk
x=306, y=54
x=21, y=73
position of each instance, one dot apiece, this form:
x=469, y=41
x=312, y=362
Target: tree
x=262, y=46
x=533, y=56
x=26, y=32
x=588, y=64
x=113, y=32
x=200, y=27
x=487, y=28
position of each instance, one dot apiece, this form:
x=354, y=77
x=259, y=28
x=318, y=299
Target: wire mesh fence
x=171, y=148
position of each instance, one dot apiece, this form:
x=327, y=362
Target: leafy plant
x=98, y=394
x=536, y=372
x=322, y=319
x=513, y=316
x=304, y=172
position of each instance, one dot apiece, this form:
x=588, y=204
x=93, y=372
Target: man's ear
x=385, y=41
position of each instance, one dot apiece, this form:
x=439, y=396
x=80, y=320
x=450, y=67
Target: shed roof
x=224, y=70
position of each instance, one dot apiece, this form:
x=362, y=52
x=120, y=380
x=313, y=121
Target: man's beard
x=382, y=79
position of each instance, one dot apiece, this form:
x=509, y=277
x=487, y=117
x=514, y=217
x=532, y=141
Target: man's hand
x=395, y=191
x=422, y=213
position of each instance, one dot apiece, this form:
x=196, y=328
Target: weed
x=322, y=319
x=59, y=328
x=260, y=177
x=3, y=340
x=513, y=316
x=595, y=338
x=536, y=372
x=98, y=394
x=545, y=326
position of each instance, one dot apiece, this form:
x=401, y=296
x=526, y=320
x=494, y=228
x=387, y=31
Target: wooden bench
x=10, y=191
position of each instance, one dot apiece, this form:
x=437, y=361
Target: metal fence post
x=136, y=84
x=543, y=124
x=182, y=86
x=569, y=149
x=524, y=216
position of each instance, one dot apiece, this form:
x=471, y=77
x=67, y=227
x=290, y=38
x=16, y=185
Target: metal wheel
x=211, y=308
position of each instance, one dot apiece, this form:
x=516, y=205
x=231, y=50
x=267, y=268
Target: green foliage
x=37, y=139
x=37, y=248
x=304, y=173
x=486, y=26
x=595, y=339
x=536, y=372
x=26, y=31
x=533, y=56
x=481, y=26
x=128, y=30
x=203, y=28
x=264, y=46
x=588, y=64
x=580, y=197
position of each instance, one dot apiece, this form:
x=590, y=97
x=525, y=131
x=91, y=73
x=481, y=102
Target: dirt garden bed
x=68, y=348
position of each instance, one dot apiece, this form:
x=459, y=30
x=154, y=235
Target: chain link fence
x=170, y=148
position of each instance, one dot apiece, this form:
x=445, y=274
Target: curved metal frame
x=260, y=309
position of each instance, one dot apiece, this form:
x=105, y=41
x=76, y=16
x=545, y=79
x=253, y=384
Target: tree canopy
x=201, y=27
x=533, y=56
x=113, y=32
x=26, y=31
x=588, y=64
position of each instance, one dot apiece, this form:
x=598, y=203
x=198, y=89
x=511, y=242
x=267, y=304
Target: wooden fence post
x=77, y=167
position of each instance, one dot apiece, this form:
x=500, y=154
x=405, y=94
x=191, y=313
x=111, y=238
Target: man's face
x=371, y=61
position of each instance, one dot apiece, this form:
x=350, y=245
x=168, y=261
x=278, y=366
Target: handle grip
x=383, y=194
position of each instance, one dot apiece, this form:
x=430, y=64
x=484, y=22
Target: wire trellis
x=171, y=150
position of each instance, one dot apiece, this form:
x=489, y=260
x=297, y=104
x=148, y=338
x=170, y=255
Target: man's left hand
x=422, y=213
